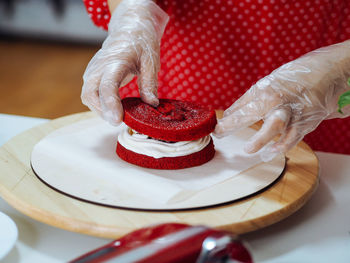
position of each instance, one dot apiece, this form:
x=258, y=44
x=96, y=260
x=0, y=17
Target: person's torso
x=212, y=51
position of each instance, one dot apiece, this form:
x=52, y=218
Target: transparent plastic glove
x=292, y=100
x=131, y=48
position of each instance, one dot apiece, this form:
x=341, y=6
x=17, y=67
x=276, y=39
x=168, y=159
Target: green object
x=344, y=99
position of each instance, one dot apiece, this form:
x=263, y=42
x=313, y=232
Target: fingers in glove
x=274, y=124
x=289, y=140
x=243, y=100
x=90, y=95
x=285, y=143
x=148, y=79
x=111, y=106
x=239, y=119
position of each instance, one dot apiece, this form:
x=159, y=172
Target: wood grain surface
x=42, y=79
x=25, y=192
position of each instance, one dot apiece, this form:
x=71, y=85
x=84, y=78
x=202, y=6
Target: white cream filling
x=145, y=145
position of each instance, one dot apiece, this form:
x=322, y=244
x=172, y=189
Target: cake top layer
x=172, y=120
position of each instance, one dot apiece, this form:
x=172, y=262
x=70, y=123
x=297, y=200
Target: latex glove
x=131, y=48
x=292, y=100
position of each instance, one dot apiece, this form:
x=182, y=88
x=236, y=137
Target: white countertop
x=318, y=232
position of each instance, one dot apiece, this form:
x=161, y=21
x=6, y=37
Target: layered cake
x=174, y=135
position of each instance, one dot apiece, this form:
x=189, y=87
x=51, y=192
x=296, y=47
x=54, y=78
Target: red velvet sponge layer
x=172, y=120
x=167, y=163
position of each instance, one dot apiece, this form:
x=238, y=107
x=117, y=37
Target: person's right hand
x=131, y=48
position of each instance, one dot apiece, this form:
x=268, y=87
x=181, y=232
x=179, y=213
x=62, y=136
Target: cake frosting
x=146, y=145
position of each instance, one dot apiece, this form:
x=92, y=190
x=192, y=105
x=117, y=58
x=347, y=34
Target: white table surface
x=318, y=232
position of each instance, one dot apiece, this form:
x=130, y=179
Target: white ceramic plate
x=8, y=236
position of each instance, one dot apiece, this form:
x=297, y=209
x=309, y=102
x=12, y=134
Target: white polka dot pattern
x=99, y=12
x=214, y=50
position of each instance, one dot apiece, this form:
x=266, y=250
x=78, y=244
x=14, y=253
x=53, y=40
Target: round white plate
x=8, y=234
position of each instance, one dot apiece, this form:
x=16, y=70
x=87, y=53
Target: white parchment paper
x=80, y=160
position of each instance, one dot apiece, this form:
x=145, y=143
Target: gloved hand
x=292, y=100
x=131, y=48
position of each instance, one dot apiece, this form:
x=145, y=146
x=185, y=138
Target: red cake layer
x=169, y=163
x=172, y=120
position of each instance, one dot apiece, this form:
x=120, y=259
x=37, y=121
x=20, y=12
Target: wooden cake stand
x=25, y=192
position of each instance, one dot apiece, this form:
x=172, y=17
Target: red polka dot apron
x=212, y=51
